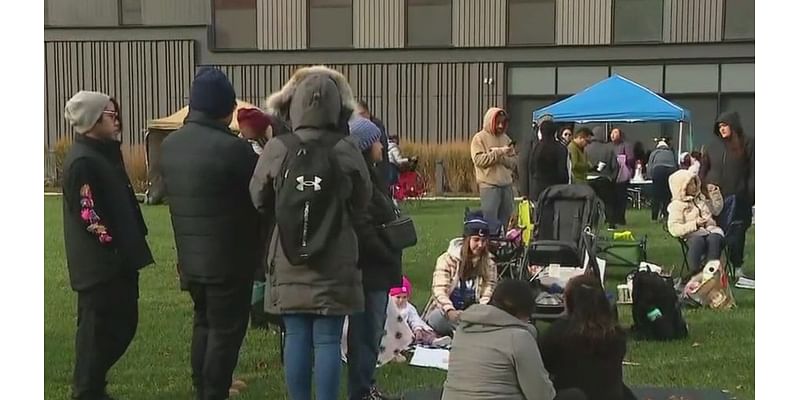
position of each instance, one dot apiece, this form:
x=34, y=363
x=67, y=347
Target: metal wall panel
x=176, y=12
x=282, y=24
x=479, y=23
x=693, y=20
x=379, y=25
x=82, y=12
x=427, y=103
x=583, y=22
x=149, y=78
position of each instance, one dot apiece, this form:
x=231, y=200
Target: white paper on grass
x=560, y=275
x=431, y=358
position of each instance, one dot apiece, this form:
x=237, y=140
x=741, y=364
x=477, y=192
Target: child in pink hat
x=423, y=333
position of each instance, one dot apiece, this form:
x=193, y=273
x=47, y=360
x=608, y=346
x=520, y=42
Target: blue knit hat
x=212, y=93
x=365, y=131
x=476, y=225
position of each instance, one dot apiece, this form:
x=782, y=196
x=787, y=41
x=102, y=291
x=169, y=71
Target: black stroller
x=567, y=218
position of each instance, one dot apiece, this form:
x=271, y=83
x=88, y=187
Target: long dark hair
x=591, y=322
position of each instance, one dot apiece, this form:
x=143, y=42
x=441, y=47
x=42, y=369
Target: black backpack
x=308, y=207
x=656, y=310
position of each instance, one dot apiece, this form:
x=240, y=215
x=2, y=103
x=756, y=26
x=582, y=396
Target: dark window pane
x=521, y=111
x=704, y=113
x=235, y=24
x=638, y=21
x=531, y=21
x=331, y=24
x=429, y=23
x=740, y=19
x=131, y=12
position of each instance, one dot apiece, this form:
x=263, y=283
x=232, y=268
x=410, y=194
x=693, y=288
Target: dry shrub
x=459, y=173
x=136, y=166
x=60, y=151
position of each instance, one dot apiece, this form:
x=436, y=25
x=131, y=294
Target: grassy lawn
x=720, y=352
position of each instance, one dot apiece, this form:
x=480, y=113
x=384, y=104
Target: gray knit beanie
x=84, y=109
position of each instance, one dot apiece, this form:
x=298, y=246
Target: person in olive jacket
x=207, y=170
x=104, y=236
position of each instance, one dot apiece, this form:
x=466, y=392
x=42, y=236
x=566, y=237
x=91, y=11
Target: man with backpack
x=206, y=171
x=313, y=182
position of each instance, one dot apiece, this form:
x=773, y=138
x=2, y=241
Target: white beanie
x=662, y=144
x=84, y=109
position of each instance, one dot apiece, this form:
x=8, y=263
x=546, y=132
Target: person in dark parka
x=104, y=236
x=605, y=168
x=548, y=162
x=207, y=170
x=729, y=163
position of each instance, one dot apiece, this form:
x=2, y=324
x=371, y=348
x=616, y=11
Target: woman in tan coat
x=691, y=218
x=464, y=275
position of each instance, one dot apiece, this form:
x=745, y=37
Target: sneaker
x=238, y=384
x=443, y=341
x=746, y=283
x=375, y=394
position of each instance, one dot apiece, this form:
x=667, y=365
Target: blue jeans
x=319, y=336
x=364, y=334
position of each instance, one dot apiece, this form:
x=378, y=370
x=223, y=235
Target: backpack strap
x=293, y=144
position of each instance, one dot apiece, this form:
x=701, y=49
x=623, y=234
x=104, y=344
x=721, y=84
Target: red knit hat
x=253, y=117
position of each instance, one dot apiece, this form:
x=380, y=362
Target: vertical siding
x=83, y=12
x=693, y=20
x=583, y=22
x=149, y=78
x=282, y=24
x=176, y=12
x=378, y=24
x=479, y=23
x=426, y=103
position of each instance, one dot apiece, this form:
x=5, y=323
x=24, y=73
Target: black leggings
x=661, y=193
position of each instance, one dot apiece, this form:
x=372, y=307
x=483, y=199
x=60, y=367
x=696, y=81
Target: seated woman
x=691, y=218
x=494, y=353
x=464, y=275
x=585, y=349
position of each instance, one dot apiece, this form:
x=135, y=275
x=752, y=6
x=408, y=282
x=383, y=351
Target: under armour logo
x=302, y=183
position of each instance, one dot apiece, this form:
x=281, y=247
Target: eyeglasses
x=113, y=114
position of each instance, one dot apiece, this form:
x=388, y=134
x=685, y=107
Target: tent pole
x=680, y=137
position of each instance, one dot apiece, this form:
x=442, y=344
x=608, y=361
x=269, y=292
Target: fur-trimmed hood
x=314, y=97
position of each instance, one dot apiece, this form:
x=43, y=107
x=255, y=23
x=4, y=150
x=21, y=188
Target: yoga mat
x=642, y=393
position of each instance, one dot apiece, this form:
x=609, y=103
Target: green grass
x=720, y=352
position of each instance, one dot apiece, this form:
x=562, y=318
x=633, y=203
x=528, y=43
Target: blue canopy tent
x=617, y=99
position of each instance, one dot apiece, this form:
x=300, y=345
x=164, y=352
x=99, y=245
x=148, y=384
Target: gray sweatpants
x=440, y=324
x=497, y=203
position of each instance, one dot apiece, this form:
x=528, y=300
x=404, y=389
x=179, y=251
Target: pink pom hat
x=404, y=289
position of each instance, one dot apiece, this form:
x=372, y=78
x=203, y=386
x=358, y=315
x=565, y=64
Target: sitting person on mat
x=691, y=218
x=585, y=349
x=464, y=275
x=494, y=353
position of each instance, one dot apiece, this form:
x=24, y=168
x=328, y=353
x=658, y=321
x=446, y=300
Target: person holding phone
x=495, y=158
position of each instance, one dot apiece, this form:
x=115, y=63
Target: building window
x=531, y=22
x=527, y=81
x=235, y=24
x=130, y=12
x=638, y=21
x=649, y=76
x=738, y=78
x=429, y=23
x=330, y=24
x=574, y=79
x=740, y=19
x=699, y=78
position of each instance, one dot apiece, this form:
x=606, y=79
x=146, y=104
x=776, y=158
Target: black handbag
x=400, y=233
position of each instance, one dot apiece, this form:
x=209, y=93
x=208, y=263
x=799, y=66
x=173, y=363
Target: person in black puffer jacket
x=207, y=171
x=104, y=236
x=729, y=163
x=548, y=162
x=380, y=266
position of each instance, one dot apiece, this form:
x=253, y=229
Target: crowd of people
x=320, y=158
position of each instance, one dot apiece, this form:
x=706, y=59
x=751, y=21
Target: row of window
x=429, y=22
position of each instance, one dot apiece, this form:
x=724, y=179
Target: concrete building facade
x=428, y=68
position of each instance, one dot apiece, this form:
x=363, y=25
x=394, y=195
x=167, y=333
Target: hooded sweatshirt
x=685, y=211
x=446, y=278
x=661, y=157
x=495, y=356
x=735, y=175
x=492, y=166
x=596, y=152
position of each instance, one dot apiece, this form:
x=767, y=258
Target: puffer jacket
x=734, y=175
x=445, y=279
x=686, y=210
x=316, y=101
x=495, y=356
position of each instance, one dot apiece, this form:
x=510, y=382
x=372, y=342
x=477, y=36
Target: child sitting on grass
x=423, y=333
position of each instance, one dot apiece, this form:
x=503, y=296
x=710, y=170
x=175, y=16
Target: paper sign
x=432, y=358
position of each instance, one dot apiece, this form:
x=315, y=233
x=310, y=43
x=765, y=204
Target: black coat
x=734, y=174
x=380, y=265
x=207, y=172
x=98, y=197
x=548, y=167
x=595, y=369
